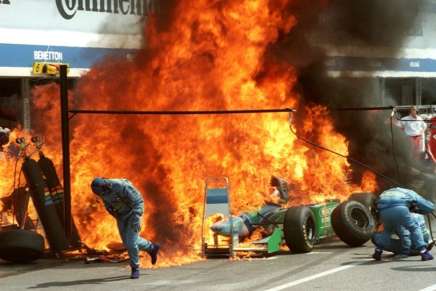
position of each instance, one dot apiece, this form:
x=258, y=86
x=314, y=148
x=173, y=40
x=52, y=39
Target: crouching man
x=392, y=244
x=124, y=202
x=395, y=207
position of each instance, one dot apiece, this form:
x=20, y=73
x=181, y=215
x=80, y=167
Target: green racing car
x=300, y=227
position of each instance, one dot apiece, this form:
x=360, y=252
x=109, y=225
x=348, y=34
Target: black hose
x=423, y=120
x=362, y=108
x=345, y=157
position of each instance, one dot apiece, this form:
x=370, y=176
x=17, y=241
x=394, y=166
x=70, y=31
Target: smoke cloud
x=364, y=24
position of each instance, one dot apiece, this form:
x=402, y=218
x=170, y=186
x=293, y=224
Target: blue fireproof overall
x=385, y=241
x=394, y=208
x=124, y=202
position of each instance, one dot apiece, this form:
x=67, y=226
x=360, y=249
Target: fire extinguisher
x=44, y=205
x=56, y=190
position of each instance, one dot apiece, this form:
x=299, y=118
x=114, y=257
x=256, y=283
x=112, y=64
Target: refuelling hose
x=353, y=160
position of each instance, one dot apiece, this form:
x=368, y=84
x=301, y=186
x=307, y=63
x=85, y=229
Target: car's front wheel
x=353, y=223
x=299, y=229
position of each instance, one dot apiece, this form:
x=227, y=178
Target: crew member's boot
x=426, y=255
x=377, y=254
x=154, y=250
x=135, y=272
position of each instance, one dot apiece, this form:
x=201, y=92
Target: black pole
x=179, y=112
x=66, y=148
x=375, y=108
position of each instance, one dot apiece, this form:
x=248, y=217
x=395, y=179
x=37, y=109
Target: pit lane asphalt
x=331, y=266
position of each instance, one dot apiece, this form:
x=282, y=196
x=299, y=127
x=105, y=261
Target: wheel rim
x=310, y=230
x=359, y=217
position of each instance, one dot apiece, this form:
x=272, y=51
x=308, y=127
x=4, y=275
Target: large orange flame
x=11, y=176
x=211, y=55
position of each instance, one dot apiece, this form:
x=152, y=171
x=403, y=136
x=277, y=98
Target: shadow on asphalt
x=11, y=269
x=80, y=282
x=4, y=264
x=366, y=260
x=415, y=268
x=331, y=246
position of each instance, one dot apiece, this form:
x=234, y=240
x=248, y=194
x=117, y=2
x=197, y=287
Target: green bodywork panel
x=275, y=240
x=321, y=212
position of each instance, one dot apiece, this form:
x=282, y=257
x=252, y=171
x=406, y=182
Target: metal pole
x=25, y=103
x=418, y=91
x=382, y=90
x=66, y=149
x=179, y=112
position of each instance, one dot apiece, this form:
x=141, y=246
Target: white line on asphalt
x=313, y=277
x=429, y=288
x=316, y=253
x=259, y=259
x=263, y=259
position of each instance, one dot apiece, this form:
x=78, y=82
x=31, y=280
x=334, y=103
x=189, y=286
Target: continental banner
x=77, y=32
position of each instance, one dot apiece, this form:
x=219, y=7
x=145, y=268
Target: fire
x=369, y=182
x=208, y=234
x=11, y=176
x=215, y=59
x=8, y=166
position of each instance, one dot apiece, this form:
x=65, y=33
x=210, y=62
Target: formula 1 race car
x=300, y=228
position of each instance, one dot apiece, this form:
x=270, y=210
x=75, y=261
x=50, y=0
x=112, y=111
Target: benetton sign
x=69, y=8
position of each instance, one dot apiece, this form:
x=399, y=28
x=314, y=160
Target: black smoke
x=363, y=24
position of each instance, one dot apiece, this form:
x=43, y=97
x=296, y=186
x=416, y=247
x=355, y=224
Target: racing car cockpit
x=245, y=223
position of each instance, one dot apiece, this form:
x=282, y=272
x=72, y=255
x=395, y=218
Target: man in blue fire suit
x=395, y=208
x=124, y=202
x=386, y=242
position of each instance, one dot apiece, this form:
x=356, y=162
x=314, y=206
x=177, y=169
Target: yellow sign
x=50, y=69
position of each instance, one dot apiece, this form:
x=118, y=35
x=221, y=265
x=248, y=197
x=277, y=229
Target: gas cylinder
x=57, y=193
x=45, y=206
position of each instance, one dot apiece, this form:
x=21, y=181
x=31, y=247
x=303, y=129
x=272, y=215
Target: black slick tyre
x=299, y=229
x=20, y=246
x=353, y=223
x=366, y=198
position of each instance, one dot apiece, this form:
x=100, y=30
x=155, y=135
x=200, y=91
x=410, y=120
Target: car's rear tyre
x=299, y=229
x=20, y=246
x=353, y=223
x=366, y=198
